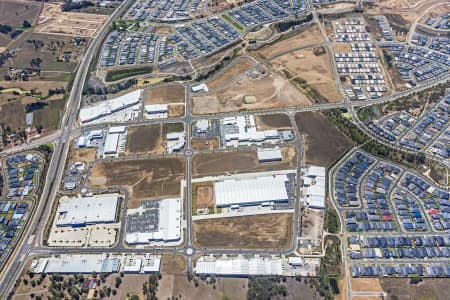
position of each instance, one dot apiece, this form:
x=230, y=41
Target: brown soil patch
x=237, y=67
x=323, y=144
x=239, y=162
x=163, y=30
x=310, y=36
x=54, y=20
x=85, y=155
x=429, y=288
x=176, y=110
x=144, y=178
x=270, y=92
x=272, y=231
x=145, y=139
x=342, y=47
x=205, y=197
x=173, y=93
x=275, y=121
x=366, y=285
x=173, y=264
x=315, y=69
x=205, y=144
x=12, y=114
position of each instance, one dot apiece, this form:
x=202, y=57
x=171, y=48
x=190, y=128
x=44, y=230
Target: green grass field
x=238, y=26
x=122, y=74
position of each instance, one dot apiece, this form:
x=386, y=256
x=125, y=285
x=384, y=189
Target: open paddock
x=165, y=94
x=236, y=68
x=145, y=139
x=322, y=143
x=271, y=231
x=144, y=178
x=205, y=144
x=272, y=91
x=173, y=264
x=220, y=163
x=314, y=67
x=275, y=121
x=85, y=155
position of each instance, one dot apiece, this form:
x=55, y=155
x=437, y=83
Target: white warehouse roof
x=85, y=263
x=251, y=191
x=269, y=154
x=80, y=211
x=107, y=107
x=239, y=266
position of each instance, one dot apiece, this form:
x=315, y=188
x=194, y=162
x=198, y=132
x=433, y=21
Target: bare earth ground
x=164, y=94
x=323, y=144
x=272, y=231
x=315, y=69
x=145, y=178
x=176, y=110
x=310, y=36
x=85, y=155
x=145, y=139
x=261, y=35
x=312, y=224
x=179, y=286
x=275, y=121
x=54, y=20
x=366, y=285
x=402, y=289
x=270, y=92
x=14, y=12
x=238, y=66
x=219, y=163
x=173, y=264
x=205, y=197
x=205, y=144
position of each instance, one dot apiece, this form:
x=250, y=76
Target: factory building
x=147, y=264
x=82, y=211
x=314, y=187
x=105, y=108
x=268, y=154
x=115, y=141
x=239, y=266
x=175, y=141
x=77, y=264
x=253, y=191
x=156, y=221
x=200, y=88
x=157, y=111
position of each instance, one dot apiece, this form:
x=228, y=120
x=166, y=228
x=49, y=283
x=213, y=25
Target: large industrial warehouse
x=155, y=221
x=239, y=266
x=82, y=211
x=77, y=264
x=252, y=191
x=314, y=187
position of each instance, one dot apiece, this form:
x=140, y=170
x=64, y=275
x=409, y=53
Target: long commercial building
x=239, y=266
x=251, y=191
x=82, y=211
x=314, y=187
x=160, y=223
x=77, y=264
x=104, y=108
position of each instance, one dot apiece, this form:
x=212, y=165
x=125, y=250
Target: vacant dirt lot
x=402, y=289
x=145, y=139
x=85, y=155
x=176, y=110
x=273, y=91
x=173, y=264
x=179, y=287
x=272, y=231
x=205, y=144
x=145, y=178
x=237, y=67
x=315, y=68
x=173, y=93
x=311, y=36
x=54, y=20
x=14, y=12
x=275, y=121
x=239, y=162
x=366, y=285
x=205, y=197
x=322, y=143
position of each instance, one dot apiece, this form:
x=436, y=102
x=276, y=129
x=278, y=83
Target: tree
x=26, y=24
x=118, y=282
